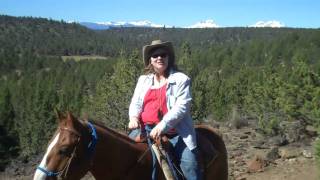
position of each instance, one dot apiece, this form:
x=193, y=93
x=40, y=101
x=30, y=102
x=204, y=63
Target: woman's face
x=159, y=60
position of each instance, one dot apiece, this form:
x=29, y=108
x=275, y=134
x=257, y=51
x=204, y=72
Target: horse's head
x=66, y=153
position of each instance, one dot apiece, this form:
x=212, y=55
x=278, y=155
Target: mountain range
x=145, y=23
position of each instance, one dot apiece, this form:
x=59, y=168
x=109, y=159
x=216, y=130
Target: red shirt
x=154, y=101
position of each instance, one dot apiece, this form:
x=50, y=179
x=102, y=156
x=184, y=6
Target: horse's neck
x=117, y=143
x=114, y=152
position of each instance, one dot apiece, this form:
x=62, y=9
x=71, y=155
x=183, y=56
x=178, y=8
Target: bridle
x=90, y=151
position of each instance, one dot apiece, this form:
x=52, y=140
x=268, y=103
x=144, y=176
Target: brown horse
x=78, y=147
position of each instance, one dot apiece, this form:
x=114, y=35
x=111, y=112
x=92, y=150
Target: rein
x=90, y=150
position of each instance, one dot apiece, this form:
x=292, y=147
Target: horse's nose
x=39, y=175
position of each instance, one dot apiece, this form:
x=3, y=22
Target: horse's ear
x=70, y=116
x=86, y=116
x=58, y=114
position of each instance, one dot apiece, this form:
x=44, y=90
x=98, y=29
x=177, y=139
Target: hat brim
x=149, y=48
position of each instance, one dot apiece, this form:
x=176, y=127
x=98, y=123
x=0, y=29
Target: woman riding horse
x=161, y=105
x=78, y=147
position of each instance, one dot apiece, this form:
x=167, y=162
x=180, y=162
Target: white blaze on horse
x=40, y=174
x=78, y=147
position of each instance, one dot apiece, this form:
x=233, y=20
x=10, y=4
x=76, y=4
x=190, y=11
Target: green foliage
x=285, y=94
x=114, y=91
x=266, y=74
x=37, y=119
x=35, y=90
x=200, y=91
x=186, y=63
x=261, y=102
x=8, y=144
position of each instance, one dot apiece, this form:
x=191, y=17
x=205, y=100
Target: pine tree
x=185, y=62
x=114, y=92
x=8, y=142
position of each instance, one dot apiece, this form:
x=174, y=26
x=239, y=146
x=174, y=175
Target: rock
x=215, y=124
x=307, y=153
x=292, y=160
x=292, y=130
x=239, y=123
x=250, y=151
x=273, y=154
x=259, y=144
x=241, y=178
x=256, y=164
x=244, y=137
x=289, y=152
x=278, y=141
x=311, y=131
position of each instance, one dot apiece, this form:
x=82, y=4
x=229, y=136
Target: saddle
x=208, y=153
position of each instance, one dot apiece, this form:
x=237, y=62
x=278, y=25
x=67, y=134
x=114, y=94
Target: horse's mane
x=116, y=133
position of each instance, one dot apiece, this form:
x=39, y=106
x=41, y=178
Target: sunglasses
x=162, y=55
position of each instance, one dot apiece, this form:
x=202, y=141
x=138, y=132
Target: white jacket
x=178, y=98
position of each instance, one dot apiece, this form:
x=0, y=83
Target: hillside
x=268, y=75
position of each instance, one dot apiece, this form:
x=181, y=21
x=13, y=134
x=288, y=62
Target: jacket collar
x=171, y=79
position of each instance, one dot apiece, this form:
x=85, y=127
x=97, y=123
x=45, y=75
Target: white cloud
x=273, y=24
x=204, y=24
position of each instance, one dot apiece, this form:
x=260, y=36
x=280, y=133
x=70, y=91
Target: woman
x=161, y=105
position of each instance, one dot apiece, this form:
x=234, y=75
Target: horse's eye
x=65, y=151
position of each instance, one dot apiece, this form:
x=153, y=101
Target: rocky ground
x=252, y=156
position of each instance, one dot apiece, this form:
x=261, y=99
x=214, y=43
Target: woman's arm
x=181, y=106
x=135, y=106
x=179, y=109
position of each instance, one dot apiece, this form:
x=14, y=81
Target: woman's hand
x=157, y=130
x=134, y=123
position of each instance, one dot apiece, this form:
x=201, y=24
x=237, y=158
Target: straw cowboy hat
x=148, y=49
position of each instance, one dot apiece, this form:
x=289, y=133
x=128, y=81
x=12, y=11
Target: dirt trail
x=302, y=169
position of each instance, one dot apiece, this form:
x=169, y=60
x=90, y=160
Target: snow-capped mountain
x=107, y=25
x=204, y=24
x=273, y=24
x=145, y=23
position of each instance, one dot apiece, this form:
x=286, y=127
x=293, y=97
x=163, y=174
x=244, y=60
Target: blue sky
x=180, y=13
